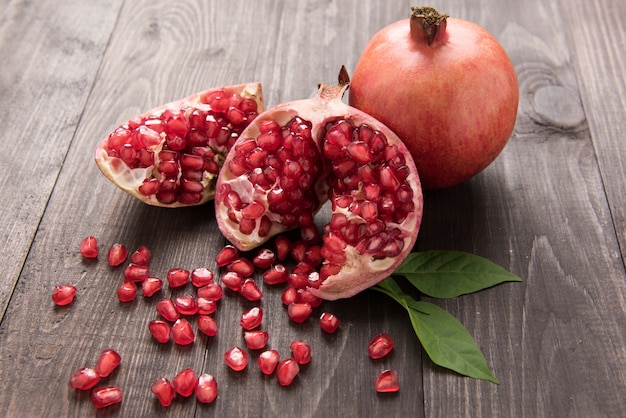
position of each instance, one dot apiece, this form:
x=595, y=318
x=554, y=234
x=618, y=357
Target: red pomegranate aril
x=276, y=274
x=206, y=388
x=232, y=280
x=301, y=352
x=185, y=382
x=241, y=266
x=289, y=295
x=202, y=276
x=141, y=256
x=63, y=294
x=89, y=247
x=160, y=330
x=286, y=371
x=207, y=325
x=206, y=306
x=380, y=345
x=106, y=396
x=255, y=340
x=305, y=296
x=136, y=273
x=182, y=332
x=387, y=382
x=250, y=290
x=186, y=305
x=163, y=390
x=117, y=254
x=166, y=308
x=127, y=292
x=150, y=286
x=283, y=247
x=267, y=361
x=329, y=322
x=177, y=277
x=236, y=359
x=264, y=258
x=108, y=361
x=299, y=312
x=84, y=378
x=211, y=291
x=251, y=318
x=226, y=255
x=298, y=280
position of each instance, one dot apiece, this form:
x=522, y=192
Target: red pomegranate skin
x=453, y=103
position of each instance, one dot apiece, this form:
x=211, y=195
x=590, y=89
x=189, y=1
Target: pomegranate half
x=446, y=87
x=170, y=156
x=296, y=156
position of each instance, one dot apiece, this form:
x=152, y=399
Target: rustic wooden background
x=551, y=209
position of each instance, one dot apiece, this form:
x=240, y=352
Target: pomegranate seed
x=85, y=378
x=301, y=352
x=207, y=325
x=166, y=308
x=380, y=346
x=202, y=277
x=212, y=291
x=185, y=382
x=251, y=318
x=264, y=258
x=232, y=280
x=164, y=391
x=63, y=294
x=250, y=290
x=89, y=247
x=160, y=330
x=241, y=266
x=182, y=332
x=127, y=291
x=286, y=371
x=276, y=274
x=108, y=361
x=387, y=381
x=136, y=273
x=117, y=255
x=141, y=256
x=186, y=305
x=329, y=322
x=298, y=250
x=206, y=389
x=226, y=255
x=255, y=340
x=106, y=396
x=289, y=296
x=283, y=247
x=267, y=361
x=236, y=359
x=305, y=296
x=150, y=286
x=299, y=312
x=177, y=277
x=206, y=306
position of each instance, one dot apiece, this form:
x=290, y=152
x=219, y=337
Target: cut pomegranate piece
x=206, y=389
x=380, y=345
x=150, y=286
x=329, y=322
x=169, y=156
x=89, y=247
x=267, y=361
x=286, y=371
x=127, y=292
x=108, y=361
x=160, y=330
x=185, y=382
x=106, y=396
x=201, y=277
x=177, y=277
x=387, y=381
x=326, y=150
x=84, y=378
x=164, y=391
x=236, y=359
x=117, y=254
x=186, y=305
x=255, y=340
x=251, y=318
x=301, y=352
x=166, y=308
x=182, y=332
x=299, y=312
x=207, y=325
x=63, y=294
x=141, y=256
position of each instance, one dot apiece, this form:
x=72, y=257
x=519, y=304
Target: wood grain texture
x=550, y=209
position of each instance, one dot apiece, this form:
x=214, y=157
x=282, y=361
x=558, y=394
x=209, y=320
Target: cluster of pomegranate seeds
x=63, y=294
x=87, y=378
x=186, y=383
x=89, y=247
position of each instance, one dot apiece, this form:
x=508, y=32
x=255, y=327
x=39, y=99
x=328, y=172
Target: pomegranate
x=207, y=325
x=329, y=322
x=160, y=330
x=297, y=155
x=169, y=156
x=63, y=294
x=89, y=247
x=380, y=345
x=108, y=361
x=163, y=390
x=286, y=371
x=206, y=389
x=117, y=254
x=236, y=359
x=267, y=361
x=106, y=396
x=84, y=378
x=150, y=286
x=182, y=332
x=185, y=382
x=387, y=381
x=446, y=87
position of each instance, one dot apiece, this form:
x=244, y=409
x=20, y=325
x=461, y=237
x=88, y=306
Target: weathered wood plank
x=541, y=212
x=51, y=54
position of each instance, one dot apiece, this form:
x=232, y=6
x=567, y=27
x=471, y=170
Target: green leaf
x=446, y=341
x=448, y=274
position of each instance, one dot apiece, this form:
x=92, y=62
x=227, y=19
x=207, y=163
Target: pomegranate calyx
x=426, y=22
x=327, y=92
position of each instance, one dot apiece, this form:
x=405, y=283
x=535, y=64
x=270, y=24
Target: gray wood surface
x=550, y=209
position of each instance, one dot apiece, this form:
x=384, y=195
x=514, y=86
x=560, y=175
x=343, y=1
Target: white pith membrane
x=130, y=179
x=358, y=271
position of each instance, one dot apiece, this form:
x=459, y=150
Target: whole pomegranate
x=170, y=156
x=294, y=157
x=446, y=87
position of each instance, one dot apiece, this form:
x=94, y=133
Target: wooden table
x=551, y=209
